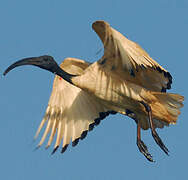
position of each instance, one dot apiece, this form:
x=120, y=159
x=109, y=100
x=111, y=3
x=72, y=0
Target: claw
x=144, y=150
x=159, y=142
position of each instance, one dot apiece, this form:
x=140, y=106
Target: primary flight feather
x=125, y=80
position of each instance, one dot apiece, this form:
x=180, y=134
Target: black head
x=44, y=62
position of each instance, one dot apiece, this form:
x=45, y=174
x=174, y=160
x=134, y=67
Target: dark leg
x=141, y=146
x=153, y=131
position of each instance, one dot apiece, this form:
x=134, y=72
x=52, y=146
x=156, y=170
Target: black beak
x=44, y=62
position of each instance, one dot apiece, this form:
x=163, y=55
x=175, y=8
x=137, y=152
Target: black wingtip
x=102, y=115
x=127, y=111
x=159, y=69
x=91, y=126
x=166, y=75
x=55, y=149
x=112, y=112
x=97, y=121
x=164, y=89
x=83, y=135
x=64, y=148
x=75, y=142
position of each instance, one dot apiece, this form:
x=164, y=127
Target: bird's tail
x=167, y=107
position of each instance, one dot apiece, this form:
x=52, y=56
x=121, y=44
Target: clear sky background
x=63, y=29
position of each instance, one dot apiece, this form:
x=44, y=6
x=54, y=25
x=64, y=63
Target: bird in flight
x=125, y=80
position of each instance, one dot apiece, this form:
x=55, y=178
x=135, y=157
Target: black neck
x=66, y=76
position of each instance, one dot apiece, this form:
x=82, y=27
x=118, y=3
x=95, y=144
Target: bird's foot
x=144, y=150
x=159, y=142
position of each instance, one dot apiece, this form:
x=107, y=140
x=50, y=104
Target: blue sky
x=63, y=29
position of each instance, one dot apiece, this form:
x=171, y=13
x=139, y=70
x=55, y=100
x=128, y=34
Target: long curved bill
x=45, y=62
x=26, y=61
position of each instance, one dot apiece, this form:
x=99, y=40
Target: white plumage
x=125, y=80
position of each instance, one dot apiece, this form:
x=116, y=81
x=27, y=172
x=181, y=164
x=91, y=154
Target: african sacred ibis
x=125, y=80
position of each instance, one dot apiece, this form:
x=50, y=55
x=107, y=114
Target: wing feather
x=116, y=93
x=53, y=131
x=70, y=110
x=130, y=61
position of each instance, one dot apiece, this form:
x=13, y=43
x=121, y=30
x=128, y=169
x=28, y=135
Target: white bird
x=125, y=80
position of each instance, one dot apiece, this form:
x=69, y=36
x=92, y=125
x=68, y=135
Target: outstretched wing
x=124, y=74
x=71, y=112
x=129, y=60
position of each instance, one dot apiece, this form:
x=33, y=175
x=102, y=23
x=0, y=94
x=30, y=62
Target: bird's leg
x=141, y=146
x=153, y=131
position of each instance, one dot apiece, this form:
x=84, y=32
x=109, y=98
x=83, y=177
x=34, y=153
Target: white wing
x=130, y=61
x=71, y=112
